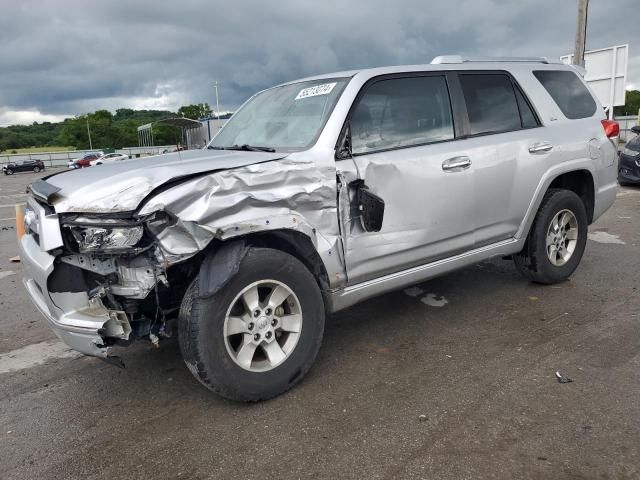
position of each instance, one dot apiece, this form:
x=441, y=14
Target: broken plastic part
x=562, y=379
x=220, y=266
x=113, y=360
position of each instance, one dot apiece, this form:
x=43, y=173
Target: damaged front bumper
x=83, y=323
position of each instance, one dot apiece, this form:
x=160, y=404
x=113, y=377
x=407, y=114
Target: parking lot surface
x=453, y=378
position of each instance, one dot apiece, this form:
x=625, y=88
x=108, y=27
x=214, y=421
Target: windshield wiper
x=251, y=148
x=245, y=147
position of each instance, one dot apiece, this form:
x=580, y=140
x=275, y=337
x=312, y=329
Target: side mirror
x=370, y=206
x=636, y=129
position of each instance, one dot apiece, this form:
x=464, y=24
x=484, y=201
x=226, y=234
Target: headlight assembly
x=106, y=238
x=111, y=235
x=629, y=152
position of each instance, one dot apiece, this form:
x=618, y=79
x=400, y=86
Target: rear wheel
x=258, y=335
x=36, y=169
x=556, y=240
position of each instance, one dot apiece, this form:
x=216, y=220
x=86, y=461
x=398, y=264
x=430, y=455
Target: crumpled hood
x=121, y=186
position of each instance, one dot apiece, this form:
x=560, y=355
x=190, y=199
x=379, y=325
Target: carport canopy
x=145, y=132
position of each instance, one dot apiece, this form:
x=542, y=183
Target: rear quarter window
x=569, y=93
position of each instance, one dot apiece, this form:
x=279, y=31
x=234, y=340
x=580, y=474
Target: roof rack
x=464, y=59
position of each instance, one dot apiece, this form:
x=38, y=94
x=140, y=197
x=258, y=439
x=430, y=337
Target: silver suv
x=316, y=195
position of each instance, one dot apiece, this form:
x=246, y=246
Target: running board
x=340, y=299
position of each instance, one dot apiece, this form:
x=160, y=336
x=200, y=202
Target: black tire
x=8, y=171
x=533, y=262
x=36, y=169
x=201, y=323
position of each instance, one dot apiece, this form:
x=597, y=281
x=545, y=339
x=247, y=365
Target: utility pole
x=581, y=33
x=89, y=134
x=217, y=102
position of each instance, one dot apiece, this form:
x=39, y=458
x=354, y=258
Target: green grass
x=38, y=149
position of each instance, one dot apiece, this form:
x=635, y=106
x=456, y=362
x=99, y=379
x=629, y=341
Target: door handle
x=540, y=147
x=456, y=164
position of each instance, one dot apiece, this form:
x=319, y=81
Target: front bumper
x=80, y=322
x=628, y=170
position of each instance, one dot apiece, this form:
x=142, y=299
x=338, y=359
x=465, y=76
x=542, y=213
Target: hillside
x=108, y=130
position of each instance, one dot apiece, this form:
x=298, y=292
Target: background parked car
x=109, y=158
x=26, y=166
x=629, y=160
x=85, y=160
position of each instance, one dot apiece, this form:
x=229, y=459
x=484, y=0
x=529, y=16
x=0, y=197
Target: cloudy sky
x=61, y=58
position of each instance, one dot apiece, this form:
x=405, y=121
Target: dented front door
x=428, y=211
x=404, y=149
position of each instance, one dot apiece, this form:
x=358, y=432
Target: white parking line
x=6, y=274
x=34, y=355
x=604, y=237
x=7, y=219
x=15, y=195
x=11, y=205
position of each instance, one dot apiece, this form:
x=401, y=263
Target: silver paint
x=435, y=221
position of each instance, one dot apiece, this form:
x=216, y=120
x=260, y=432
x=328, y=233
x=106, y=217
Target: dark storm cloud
x=68, y=57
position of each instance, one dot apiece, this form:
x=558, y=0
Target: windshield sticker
x=324, y=89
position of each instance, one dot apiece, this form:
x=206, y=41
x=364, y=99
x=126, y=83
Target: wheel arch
x=581, y=183
x=225, y=255
x=577, y=178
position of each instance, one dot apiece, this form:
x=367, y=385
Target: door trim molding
x=343, y=298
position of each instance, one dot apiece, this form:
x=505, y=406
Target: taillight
x=611, y=128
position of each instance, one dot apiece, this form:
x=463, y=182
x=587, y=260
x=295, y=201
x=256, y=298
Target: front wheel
x=8, y=171
x=556, y=240
x=258, y=335
x=36, y=169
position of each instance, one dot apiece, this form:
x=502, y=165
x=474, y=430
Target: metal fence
x=53, y=159
x=625, y=127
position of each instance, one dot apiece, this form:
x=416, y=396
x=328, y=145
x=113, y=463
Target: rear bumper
x=80, y=322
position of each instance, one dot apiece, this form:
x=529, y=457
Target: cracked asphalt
x=451, y=379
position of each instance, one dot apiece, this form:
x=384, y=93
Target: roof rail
x=464, y=59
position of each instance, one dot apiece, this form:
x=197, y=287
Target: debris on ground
x=434, y=300
x=15, y=259
x=422, y=418
x=562, y=379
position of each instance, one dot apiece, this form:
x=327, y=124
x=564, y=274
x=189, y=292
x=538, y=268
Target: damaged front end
x=103, y=283
x=114, y=267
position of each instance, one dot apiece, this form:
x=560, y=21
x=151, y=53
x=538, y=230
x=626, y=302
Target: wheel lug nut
x=268, y=311
x=256, y=337
x=251, y=325
x=256, y=313
x=274, y=322
x=268, y=335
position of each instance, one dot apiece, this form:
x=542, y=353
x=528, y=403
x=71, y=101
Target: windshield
x=289, y=117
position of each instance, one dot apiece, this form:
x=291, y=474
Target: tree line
x=108, y=130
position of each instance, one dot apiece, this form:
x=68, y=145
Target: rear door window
x=491, y=102
x=569, y=93
x=528, y=118
x=402, y=112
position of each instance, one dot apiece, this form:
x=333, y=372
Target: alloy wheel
x=263, y=325
x=562, y=237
